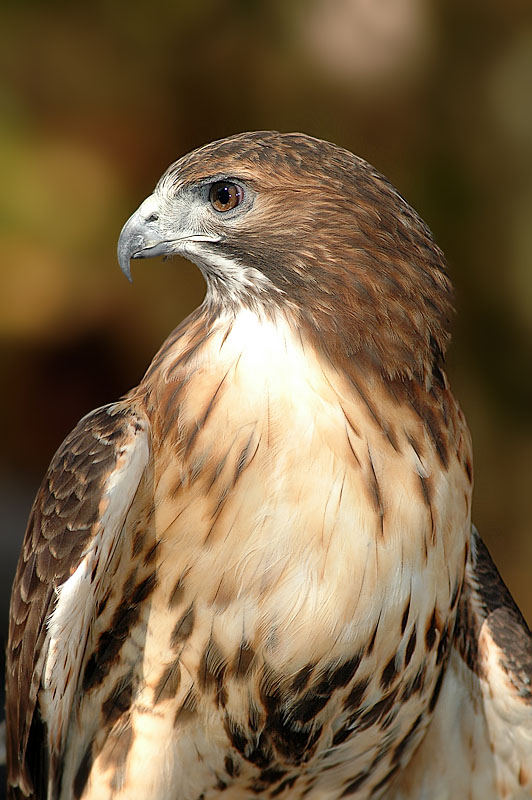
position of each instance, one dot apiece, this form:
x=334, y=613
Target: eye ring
x=224, y=196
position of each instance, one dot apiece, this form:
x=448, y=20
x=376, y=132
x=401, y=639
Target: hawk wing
x=479, y=742
x=73, y=531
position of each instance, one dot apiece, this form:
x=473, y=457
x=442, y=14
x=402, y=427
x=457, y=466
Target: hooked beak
x=143, y=237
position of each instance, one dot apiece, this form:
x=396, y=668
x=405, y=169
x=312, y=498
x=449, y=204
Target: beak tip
x=127, y=272
x=124, y=254
x=125, y=265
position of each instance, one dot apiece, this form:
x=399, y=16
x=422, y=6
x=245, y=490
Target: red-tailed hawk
x=256, y=574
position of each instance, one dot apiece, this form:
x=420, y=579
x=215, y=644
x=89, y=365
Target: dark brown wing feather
x=479, y=742
x=495, y=607
x=62, y=522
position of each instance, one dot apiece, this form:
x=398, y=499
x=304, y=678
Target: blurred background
x=97, y=99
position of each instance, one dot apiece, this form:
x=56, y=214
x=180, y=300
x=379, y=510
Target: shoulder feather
x=75, y=521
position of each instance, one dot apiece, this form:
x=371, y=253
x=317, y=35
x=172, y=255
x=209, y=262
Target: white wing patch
x=70, y=623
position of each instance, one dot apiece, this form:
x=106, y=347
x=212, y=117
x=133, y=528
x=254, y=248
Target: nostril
x=152, y=218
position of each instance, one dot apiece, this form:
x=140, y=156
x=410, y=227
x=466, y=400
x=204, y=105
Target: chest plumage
x=305, y=580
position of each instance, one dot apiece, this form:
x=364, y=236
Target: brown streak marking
x=411, y=646
x=404, y=618
x=371, y=644
x=170, y=419
x=341, y=494
x=384, y=428
x=437, y=439
x=427, y=491
x=168, y=683
x=217, y=512
x=150, y=554
x=243, y=462
x=103, y=603
x=414, y=444
x=162, y=533
x=221, y=463
x=212, y=670
x=200, y=424
x=226, y=334
x=376, y=494
x=350, y=422
x=243, y=659
x=183, y=627
x=351, y=446
x=222, y=498
x=177, y=592
x=119, y=700
x=138, y=542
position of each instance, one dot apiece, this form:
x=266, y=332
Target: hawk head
x=285, y=223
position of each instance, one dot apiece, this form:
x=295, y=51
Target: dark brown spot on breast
x=404, y=618
x=443, y=643
x=267, y=777
x=183, y=628
x=110, y=641
x=243, y=660
x=286, y=784
x=427, y=491
x=176, y=596
x=357, y=694
x=337, y=677
x=341, y=735
x=431, y=631
x=389, y=673
x=436, y=692
x=355, y=783
x=302, y=678
x=411, y=646
x=103, y=603
x=371, y=644
x=138, y=542
x=119, y=700
x=151, y=553
x=377, y=712
x=212, y=671
x=419, y=680
x=168, y=684
x=387, y=778
x=310, y=704
x=231, y=766
x=375, y=494
x=236, y=734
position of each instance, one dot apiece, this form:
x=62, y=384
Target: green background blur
x=97, y=99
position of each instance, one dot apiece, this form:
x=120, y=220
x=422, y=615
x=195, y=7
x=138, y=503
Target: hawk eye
x=224, y=195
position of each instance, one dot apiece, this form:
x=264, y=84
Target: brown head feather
x=348, y=254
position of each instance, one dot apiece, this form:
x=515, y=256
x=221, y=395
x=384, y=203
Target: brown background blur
x=97, y=99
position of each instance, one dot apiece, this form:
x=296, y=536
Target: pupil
x=224, y=195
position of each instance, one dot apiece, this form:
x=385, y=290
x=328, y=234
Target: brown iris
x=224, y=195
